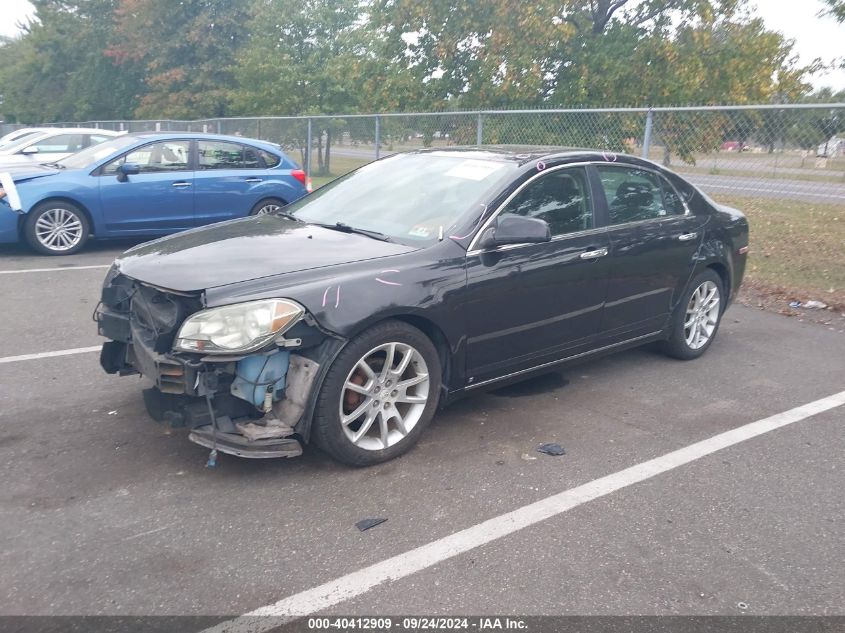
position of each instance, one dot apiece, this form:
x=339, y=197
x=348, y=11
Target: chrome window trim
x=560, y=360
x=518, y=190
x=472, y=250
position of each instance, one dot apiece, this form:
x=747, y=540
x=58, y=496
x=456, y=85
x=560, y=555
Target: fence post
x=479, y=131
x=308, y=152
x=649, y=124
x=378, y=135
x=219, y=126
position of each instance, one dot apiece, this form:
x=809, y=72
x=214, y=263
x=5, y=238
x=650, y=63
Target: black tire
x=677, y=345
x=261, y=204
x=328, y=431
x=77, y=226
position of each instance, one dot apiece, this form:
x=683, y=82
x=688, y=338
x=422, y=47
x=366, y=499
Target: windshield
x=412, y=198
x=91, y=155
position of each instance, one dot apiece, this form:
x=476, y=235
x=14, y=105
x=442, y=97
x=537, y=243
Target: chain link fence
x=796, y=149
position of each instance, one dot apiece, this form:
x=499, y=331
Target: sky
x=796, y=19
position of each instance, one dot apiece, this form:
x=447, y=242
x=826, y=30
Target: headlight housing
x=238, y=328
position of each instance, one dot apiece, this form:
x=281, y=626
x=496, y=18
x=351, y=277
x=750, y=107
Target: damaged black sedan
x=346, y=318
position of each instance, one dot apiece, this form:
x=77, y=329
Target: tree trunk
x=328, y=162
x=320, y=169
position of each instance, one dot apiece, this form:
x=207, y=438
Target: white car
x=52, y=144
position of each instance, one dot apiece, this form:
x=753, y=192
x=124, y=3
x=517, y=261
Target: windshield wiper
x=55, y=165
x=345, y=228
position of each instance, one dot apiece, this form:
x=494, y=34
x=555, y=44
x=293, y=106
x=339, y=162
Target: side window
x=61, y=143
x=270, y=160
x=251, y=159
x=561, y=198
x=634, y=195
x=223, y=155
x=155, y=157
x=671, y=198
x=96, y=139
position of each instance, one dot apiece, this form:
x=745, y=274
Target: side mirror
x=29, y=151
x=515, y=229
x=127, y=169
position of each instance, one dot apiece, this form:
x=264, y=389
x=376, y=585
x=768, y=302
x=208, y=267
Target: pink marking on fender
x=337, y=297
x=540, y=165
x=389, y=283
x=609, y=156
x=325, y=295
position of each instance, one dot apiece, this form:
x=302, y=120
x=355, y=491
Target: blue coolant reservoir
x=256, y=375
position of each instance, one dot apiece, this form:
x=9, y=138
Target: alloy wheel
x=58, y=229
x=384, y=396
x=270, y=207
x=702, y=315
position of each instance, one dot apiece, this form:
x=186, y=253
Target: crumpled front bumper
x=257, y=405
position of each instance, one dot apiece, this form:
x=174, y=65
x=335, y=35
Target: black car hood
x=20, y=172
x=246, y=249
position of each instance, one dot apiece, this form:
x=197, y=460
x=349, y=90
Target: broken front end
x=242, y=378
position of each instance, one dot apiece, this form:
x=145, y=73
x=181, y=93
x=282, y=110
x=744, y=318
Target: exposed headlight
x=243, y=327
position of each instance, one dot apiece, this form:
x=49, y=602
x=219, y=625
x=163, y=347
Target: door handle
x=252, y=179
x=686, y=237
x=599, y=252
x=181, y=183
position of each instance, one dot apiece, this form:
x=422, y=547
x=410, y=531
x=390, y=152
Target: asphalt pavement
x=105, y=512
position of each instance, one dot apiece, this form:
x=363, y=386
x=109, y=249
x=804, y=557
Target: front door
x=653, y=240
x=528, y=304
x=160, y=199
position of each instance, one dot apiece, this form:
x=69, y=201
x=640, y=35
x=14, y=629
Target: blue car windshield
x=90, y=155
x=413, y=198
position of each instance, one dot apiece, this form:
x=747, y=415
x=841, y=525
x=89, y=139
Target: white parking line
x=358, y=582
x=61, y=352
x=50, y=270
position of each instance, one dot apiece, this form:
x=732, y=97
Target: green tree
x=186, y=50
x=302, y=58
x=57, y=71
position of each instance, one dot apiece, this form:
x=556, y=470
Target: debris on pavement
x=809, y=305
x=366, y=524
x=551, y=448
x=527, y=457
x=112, y=413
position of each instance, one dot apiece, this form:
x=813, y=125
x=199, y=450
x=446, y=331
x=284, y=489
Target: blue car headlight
x=238, y=328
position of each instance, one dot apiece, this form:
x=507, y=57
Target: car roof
x=163, y=136
x=522, y=154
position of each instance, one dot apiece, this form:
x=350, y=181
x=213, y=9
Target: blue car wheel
x=57, y=228
x=268, y=205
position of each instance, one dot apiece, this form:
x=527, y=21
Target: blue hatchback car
x=147, y=184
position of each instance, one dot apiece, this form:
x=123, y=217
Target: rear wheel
x=379, y=395
x=57, y=228
x=268, y=205
x=696, y=318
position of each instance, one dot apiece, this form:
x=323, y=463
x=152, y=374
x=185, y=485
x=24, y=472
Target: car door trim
x=471, y=250
x=561, y=360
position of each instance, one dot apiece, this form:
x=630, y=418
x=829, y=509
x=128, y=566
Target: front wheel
x=379, y=395
x=57, y=228
x=696, y=318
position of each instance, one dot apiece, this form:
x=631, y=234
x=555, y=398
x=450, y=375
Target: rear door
x=528, y=304
x=228, y=175
x=160, y=199
x=653, y=239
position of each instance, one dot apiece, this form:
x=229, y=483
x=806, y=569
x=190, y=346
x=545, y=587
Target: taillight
x=298, y=174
